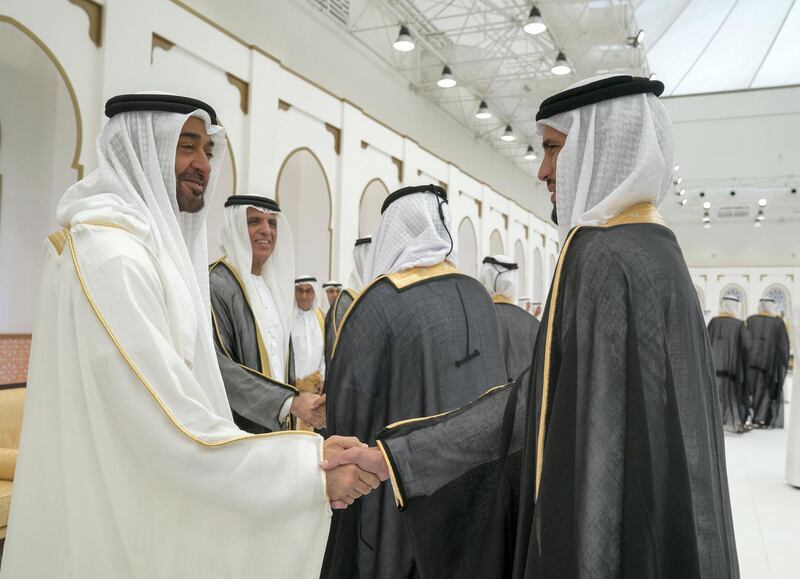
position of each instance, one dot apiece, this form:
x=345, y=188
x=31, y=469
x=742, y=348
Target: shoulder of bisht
x=410, y=277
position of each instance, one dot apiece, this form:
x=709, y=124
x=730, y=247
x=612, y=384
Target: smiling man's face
x=192, y=165
x=552, y=143
x=263, y=231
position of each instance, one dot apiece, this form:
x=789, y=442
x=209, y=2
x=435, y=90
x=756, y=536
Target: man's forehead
x=195, y=128
x=549, y=134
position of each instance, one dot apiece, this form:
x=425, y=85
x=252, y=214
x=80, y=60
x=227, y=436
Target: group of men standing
x=169, y=423
x=751, y=360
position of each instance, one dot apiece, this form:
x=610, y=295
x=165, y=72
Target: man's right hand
x=348, y=482
x=310, y=408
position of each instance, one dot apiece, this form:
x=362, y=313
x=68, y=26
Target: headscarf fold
x=618, y=153
x=134, y=188
x=414, y=231
x=499, y=280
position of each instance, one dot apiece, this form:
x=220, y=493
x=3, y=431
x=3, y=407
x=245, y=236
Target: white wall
x=38, y=141
x=744, y=141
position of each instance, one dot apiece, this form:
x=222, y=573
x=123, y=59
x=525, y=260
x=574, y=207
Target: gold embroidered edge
x=164, y=408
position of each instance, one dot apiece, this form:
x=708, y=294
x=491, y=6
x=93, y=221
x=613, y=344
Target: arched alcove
x=783, y=299
x=738, y=291
x=496, y=243
x=552, y=269
x=538, y=276
x=467, y=248
x=304, y=194
x=369, y=208
x=39, y=160
x=519, y=257
x=226, y=186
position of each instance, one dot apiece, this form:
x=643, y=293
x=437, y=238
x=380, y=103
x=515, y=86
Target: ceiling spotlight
x=676, y=168
x=762, y=202
x=707, y=225
x=635, y=41
x=683, y=201
x=682, y=192
x=757, y=223
x=678, y=180
x=483, y=111
x=530, y=154
x=404, y=42
x=760, y=216
x=535, y=24
x=707, y=205
x=446, y=80
x=706, y=218
x=561, y=66
x=508, y=135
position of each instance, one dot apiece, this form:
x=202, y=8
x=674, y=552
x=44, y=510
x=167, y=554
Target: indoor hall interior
x=329, y=106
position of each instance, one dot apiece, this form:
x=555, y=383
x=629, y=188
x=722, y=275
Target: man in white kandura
x=308, y=335
x=130, y=463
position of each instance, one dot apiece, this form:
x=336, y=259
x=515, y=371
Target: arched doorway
x=467, y=248
x=369, y=208
x=39, y=160
x=496, y=243
x=538, y=276
x=304, y=194
x=226, y=186
x=519, y=257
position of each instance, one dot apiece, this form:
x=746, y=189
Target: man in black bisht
x=518, y=328
x=606, y=459
x=730, y=345
x=768, y=364
x=335, y=315
x=420, y=339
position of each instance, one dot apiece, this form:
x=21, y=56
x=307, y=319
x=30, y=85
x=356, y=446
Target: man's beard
x=554, y=215
x=188, y=202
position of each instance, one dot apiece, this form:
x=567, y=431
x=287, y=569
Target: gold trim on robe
x=502, y=299
x=164, y=408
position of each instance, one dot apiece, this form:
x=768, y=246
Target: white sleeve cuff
x=287, y=406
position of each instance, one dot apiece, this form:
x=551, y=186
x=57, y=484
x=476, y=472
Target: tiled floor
x=766, y=510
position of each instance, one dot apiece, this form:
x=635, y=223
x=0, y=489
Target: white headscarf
x=767, y=305
x=730, y=305
x=499, y=280
x=411, y=234
x=617, y=153
x=360, y=257
x=134, y=187
x=330, y=284
x=277, y=273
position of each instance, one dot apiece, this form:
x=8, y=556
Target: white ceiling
x=693, y=46
x=703, y=46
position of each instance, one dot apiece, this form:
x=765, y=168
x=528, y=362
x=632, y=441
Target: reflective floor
x=766, y=510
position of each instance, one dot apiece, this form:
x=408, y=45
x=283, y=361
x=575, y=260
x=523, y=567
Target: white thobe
x=308, y=343
x=127, y=467
x=272, y=334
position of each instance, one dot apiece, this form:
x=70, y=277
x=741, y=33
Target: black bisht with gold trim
x=417, y=342
x=606, y=459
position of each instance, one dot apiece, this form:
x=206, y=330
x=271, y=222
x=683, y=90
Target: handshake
x=352, y=468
